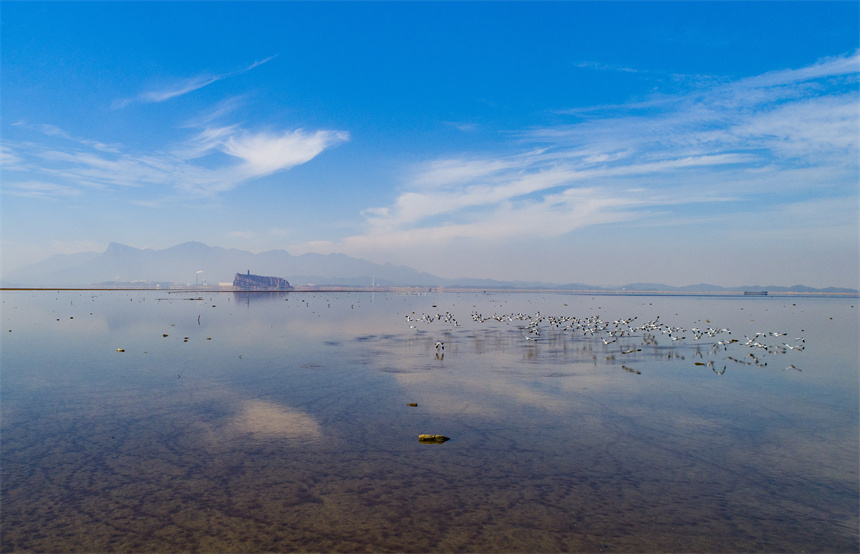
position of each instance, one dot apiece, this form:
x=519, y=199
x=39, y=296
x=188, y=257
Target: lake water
x=163, y=421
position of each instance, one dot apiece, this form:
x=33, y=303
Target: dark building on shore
x=260, y=282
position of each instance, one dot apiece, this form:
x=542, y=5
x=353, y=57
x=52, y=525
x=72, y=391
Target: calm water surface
x=280, y=422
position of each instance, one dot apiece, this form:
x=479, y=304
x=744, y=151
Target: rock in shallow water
x=433, y=438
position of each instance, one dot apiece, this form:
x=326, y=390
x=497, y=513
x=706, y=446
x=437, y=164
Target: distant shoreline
x=442, y=290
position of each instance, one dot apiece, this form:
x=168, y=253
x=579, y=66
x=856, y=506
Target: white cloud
x=8, y=159
x=40, y=189
x=182, y=87
x=818, y=126
x=608, y=67
x=455, y=171
x=264, y=153
x=786, y=132
x=826, y=68
x=220, y=110
x=205, y=142
x=76, y=162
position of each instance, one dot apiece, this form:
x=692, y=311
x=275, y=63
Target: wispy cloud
x=661, y=78
x=739, y=141
x=39, y=189
x=218, y=111
x=180, y=88
x=183, y=86
x=607, y=67
x=72, y=164
x=8, y=158
x=54, y=131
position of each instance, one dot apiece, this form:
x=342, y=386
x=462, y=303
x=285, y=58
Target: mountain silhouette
x=180, y=265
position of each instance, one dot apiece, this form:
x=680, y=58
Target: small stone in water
x=432, y=438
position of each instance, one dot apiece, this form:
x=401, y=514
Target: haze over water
x=158, y=421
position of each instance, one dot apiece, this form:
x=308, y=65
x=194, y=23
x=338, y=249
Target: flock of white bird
x=627, y=335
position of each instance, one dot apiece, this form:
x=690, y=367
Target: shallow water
x=280, y=422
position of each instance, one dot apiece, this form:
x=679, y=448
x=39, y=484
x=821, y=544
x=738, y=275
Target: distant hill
x=180, y=264
x=703, y=287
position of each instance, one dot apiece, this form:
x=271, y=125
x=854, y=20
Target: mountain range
x=180, y=265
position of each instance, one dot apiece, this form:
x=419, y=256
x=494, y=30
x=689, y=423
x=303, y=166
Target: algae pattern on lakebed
x=282, y=422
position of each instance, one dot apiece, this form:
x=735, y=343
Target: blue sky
x=602, y=143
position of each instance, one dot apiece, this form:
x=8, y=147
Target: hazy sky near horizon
x=599, y=143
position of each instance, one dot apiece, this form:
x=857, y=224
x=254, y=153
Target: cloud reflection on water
x=268, y=420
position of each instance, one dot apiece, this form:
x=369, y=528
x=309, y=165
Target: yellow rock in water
x=120, y=349
x=432, y=438
x=413, y=404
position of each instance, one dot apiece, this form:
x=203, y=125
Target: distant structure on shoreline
x=260, y=282
x=755, y=293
